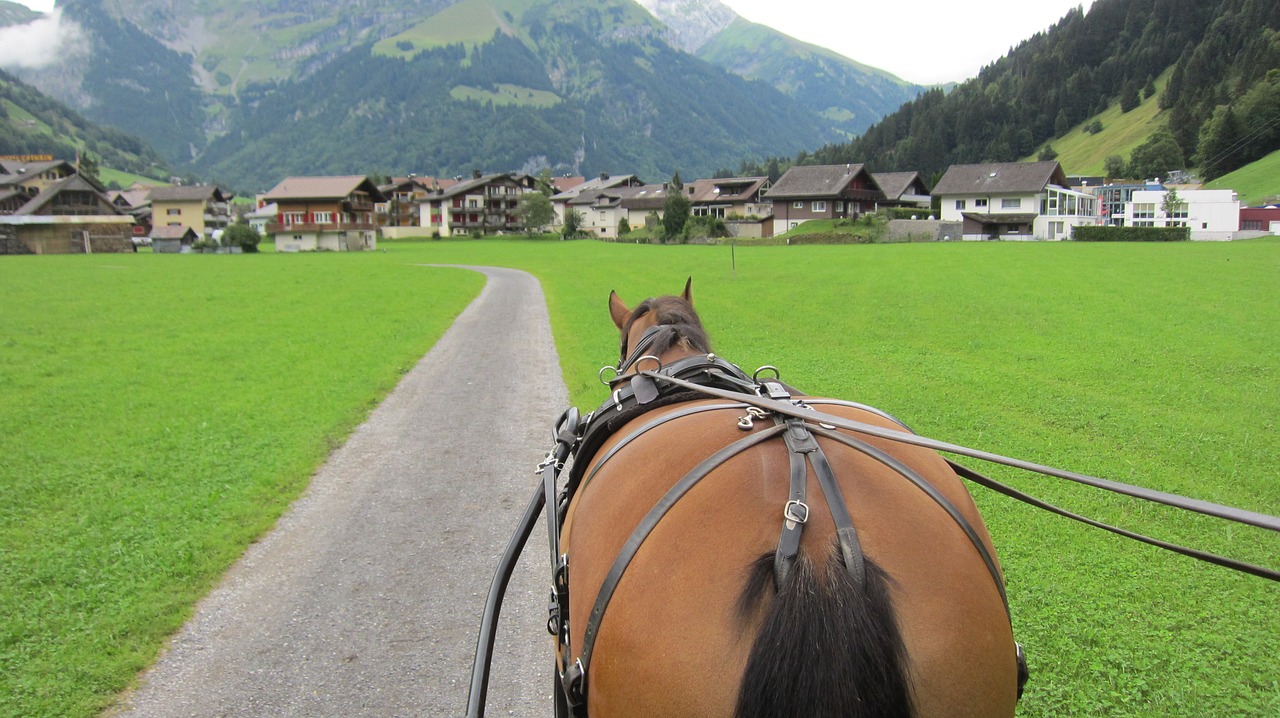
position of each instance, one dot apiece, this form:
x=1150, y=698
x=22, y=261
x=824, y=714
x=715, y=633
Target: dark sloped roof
x=74, y=182
x=816, y=181
x=726, y=189
x=167, y=232
x=1000, y=178
x=187, y=193
x=896, y=184
x=595, y=183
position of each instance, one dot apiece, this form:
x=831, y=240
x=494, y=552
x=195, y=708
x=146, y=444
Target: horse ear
x=688, y=291
x=618, y=310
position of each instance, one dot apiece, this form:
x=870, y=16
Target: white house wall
x=1212, y=214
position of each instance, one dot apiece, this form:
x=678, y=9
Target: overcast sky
x=925, y=41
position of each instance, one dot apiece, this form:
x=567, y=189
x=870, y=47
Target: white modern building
x=1212, y=214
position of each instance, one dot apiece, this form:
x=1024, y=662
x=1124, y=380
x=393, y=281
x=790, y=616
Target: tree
x=88, y=167
x=1171, y=203
x=241, y=235
x=624, y=227
x=572, y=223
x=1129, y=96
x=1155, y=157
x=1113, y=166
x=534, y=211
x=1047, y=154
x=675, y=212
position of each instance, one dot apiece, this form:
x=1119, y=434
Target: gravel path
x=365, y=599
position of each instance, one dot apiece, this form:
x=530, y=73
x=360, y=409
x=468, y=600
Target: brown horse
x=900, y=615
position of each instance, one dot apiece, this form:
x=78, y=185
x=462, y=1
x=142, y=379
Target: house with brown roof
x=729, y=197
x=203, y=208
x=602, y=210
x=485, y=204
x=560, y=202
x=1014, y=200
x=822, y=192
x=324, y=213
x=70, y=215
x=903, y=189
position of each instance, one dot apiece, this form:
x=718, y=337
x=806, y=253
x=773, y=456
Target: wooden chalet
x=329, y=213
x=903, y=189
x=822, y=192
x=69, y=215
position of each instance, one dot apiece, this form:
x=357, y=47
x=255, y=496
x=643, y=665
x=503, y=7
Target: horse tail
x=826, y=648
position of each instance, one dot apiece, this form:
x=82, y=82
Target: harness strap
x=794, y=516
x=850, y=546
x=1208, y=508
x=910, y=474
x=575, y=682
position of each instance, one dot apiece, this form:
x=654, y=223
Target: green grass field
x=160, y=412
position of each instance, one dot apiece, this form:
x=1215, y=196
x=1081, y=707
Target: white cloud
x=39, y=43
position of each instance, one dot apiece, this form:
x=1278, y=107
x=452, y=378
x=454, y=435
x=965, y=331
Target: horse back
x=678, y=633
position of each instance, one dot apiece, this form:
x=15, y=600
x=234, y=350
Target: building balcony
x=308, y=227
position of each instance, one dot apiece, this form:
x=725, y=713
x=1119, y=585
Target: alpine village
x=1138, y=120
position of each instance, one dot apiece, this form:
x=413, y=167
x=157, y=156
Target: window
x=839, y=206
x=797, y=205
x=323, y=217
x=819, y=206
x=1251, y=224
x=1143, y=223
x=294, y=217
x=979, y=203
x=1178, y=211
x=1011, y=203
x=960, y=204
x=173, y=212
x=1144, y=210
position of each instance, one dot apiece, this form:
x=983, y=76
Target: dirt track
x=365, y=599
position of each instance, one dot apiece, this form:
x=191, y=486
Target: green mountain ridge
x=32, y=123
x=194, y=78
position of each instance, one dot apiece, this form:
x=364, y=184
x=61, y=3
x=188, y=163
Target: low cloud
x=39, y=43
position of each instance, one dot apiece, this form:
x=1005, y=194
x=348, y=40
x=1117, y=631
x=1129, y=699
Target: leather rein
x=798, y=422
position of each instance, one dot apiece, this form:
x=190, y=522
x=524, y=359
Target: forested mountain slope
x=1219, y=105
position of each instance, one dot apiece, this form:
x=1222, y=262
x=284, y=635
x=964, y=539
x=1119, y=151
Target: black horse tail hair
x=825, y=648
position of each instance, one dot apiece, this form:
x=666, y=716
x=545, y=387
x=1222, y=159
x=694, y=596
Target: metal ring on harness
x=603, y=369
x=777, y=375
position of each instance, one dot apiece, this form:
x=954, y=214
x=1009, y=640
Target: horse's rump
x=677, y=633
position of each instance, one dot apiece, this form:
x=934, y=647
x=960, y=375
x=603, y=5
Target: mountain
x=32, y=123
x=250, y=90
x=572, y=85
x=849, y=95
x=1219, y=109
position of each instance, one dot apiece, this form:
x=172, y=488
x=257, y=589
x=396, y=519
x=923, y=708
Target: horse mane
x=679, y=325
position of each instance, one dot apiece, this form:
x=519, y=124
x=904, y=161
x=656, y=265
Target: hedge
x=1131, y=234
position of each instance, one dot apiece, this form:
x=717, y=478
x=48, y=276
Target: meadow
x=161, y=411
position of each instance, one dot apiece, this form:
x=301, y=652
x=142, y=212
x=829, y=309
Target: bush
x=909, y=213
x=243, y=236
x=1131, y=234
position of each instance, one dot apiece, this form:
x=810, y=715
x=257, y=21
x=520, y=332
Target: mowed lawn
x=159, y=412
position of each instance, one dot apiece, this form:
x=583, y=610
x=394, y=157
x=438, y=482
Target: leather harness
x=685, y=380
x=799, y=424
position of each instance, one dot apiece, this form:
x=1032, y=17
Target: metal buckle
x=796, y=512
